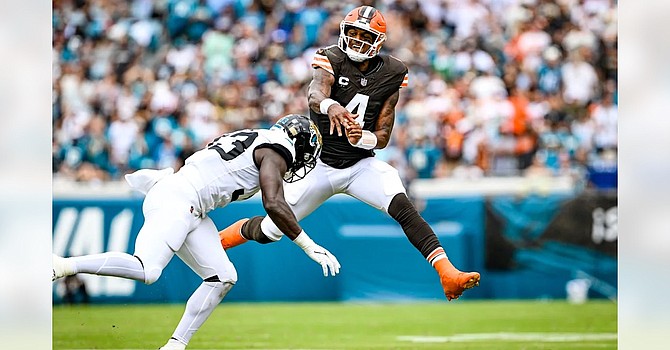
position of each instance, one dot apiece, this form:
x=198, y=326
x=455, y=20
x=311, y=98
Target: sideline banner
x=561, y=238
x=363, y=238
x=589, y=221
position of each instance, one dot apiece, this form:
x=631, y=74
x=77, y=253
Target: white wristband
x=303, y=241
x=367, y=141
x=325, y=104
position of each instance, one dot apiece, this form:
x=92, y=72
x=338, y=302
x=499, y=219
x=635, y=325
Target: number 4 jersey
x=360, y=93
x=225, y=171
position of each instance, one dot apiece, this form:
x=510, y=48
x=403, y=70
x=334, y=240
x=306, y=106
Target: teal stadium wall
x=378, y=262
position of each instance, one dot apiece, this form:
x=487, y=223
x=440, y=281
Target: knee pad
x=228, y=275
x=231, y=278
x=151, y=274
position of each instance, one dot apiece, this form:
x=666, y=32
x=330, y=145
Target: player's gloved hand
x=324, y=258
x=319, y=254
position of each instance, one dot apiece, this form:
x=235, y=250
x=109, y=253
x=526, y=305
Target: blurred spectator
x=584, y=129
x=549, y=77
x=579, y=80
x=423, y=156
x=557, y=142
x=468, y=18
x=200, y=119
x=604, y=114
x=538, y=167
x=532, y=42
x=123, y=130
x=94, y=145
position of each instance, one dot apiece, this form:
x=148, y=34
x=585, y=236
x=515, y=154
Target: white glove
x=318, y=253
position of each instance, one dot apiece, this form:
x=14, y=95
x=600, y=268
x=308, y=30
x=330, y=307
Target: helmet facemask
x=306, y=156
x=307, y=142
x=365, y=50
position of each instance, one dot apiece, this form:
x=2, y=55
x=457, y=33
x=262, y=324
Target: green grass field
x=456, y=325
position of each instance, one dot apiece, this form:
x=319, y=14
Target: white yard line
x=505, y=336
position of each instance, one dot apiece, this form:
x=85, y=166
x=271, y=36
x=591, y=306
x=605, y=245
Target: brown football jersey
x=361, y=93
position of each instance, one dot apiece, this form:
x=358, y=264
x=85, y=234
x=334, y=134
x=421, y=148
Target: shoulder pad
x=395, y=64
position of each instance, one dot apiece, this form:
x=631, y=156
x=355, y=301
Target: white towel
x=144, y=179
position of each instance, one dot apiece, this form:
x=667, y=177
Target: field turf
x=440, y=325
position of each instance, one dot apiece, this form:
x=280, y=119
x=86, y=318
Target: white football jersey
x=225, y=170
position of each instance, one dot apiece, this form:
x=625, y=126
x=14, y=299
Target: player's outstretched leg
x=243, y=231
x=454, y=282
x=231, y=236
x=199, y=307
x=422, y=237
x=104, y=264
x=60, y=267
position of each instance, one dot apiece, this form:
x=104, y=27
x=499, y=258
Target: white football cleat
x=60, y=267
x=173, y=344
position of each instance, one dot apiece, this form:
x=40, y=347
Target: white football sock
x=198, y=308
x=109, y=264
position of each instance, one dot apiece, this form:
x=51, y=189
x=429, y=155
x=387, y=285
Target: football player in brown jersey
x=352, y=98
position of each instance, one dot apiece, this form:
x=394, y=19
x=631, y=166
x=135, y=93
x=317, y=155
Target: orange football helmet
x=366, y=18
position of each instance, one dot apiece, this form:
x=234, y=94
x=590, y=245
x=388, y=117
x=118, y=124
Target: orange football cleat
x=455, y=282
x=231, y=236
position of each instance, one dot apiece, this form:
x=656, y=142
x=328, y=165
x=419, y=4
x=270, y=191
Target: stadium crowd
x=496, y=87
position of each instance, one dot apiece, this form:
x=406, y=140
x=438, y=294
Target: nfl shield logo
x=364, y=81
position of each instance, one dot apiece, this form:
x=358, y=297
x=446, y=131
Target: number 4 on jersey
x=359, y=104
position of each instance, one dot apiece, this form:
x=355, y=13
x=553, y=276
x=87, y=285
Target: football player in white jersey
x=232, y=167
x=355, y=86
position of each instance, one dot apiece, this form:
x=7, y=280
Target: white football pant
x=173, y=224
x=371, y=180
